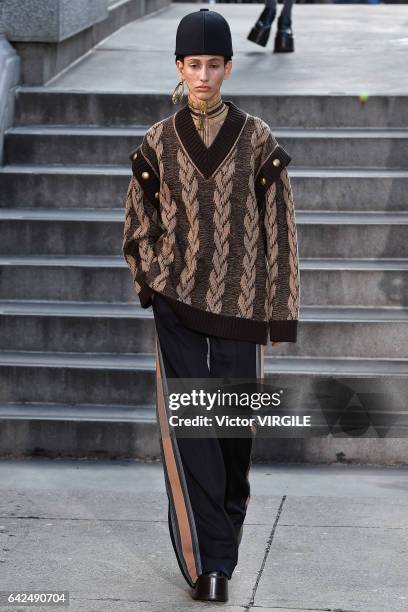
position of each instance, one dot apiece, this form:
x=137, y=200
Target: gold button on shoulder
x=145, y=175
x=134, y=155
x=276, y=162
x=263, y=180
x=156, y=195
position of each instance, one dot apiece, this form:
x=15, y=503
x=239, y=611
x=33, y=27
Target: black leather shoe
x=211, y=586
x=284, y=41
x=262, y=28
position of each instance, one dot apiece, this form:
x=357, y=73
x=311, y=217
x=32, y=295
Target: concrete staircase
x=76, y=361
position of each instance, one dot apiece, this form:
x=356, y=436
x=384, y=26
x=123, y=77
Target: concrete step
x=126, y=328
x=42, y=411
x=352, y=234
x=72, y=145
x=117, y=431
x=334, y=281
x=129, y=379
x=92, y=378
x=79, y=430
x=318, y=147
x=105, y=186
x=39, y=106
x=77, y=363
x=100, y=232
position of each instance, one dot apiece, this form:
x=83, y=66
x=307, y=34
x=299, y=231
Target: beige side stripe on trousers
x=183, y=522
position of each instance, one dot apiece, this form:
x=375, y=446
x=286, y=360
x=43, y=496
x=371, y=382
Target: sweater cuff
x=283, y=331
x=146, y=292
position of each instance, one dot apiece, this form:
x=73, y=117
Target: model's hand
x=275, y=343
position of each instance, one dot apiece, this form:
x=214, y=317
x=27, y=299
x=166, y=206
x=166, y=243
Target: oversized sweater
x=212, y=228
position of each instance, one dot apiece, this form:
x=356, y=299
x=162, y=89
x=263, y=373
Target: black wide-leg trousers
x=206, y=478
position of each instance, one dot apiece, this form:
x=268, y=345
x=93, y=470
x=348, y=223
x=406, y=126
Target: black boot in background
x=262, y=28
x=284, y=40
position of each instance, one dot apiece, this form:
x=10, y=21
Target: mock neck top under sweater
x=210, y=224
x=208, y=118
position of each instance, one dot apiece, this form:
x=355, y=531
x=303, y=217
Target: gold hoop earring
x=178, y=93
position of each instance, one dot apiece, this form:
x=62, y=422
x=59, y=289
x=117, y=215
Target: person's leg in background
x=260, y=32
x=284, y=39
x=202, y=532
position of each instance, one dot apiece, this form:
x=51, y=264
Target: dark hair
x=181, y=58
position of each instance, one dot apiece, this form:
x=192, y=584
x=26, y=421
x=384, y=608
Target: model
x=210, y=239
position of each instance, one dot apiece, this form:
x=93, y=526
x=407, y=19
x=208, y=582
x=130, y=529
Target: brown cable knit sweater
x=210, y=224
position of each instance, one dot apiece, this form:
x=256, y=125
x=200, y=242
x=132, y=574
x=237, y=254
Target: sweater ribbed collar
x=209, y=159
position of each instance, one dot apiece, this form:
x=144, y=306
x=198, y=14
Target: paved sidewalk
x=316, y=538
x=339, y=49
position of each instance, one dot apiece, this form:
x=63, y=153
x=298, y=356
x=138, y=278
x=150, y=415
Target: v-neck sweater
x=212, y=228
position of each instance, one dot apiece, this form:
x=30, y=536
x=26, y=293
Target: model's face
x=204, y=74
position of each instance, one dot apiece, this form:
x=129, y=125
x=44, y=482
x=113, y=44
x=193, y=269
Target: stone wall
x=9, y=78
x=49, y=35
x=50, y=20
